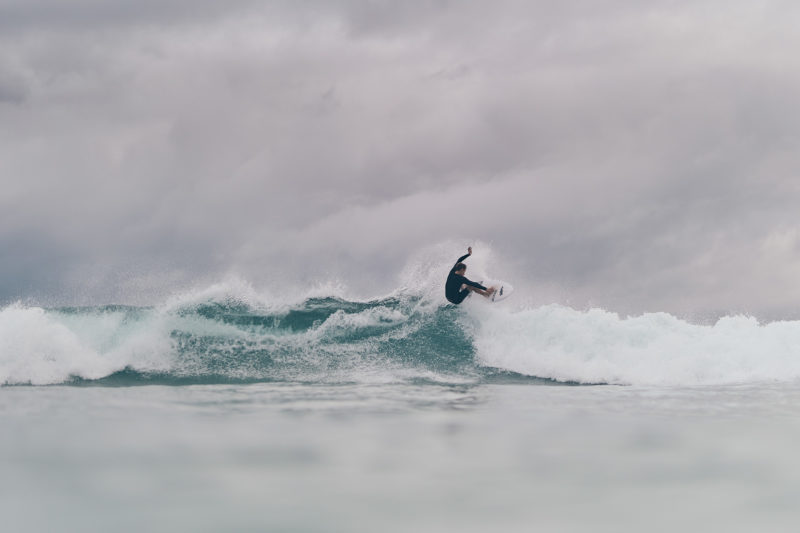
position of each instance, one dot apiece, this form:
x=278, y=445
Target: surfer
x=458, y=287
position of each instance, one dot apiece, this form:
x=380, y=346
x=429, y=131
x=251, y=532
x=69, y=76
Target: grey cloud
x=636, y=155
x=43, y=15
x=11, y=91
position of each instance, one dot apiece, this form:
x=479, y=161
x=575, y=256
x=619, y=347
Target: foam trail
x=598, y=346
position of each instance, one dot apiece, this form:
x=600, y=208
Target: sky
x=635, y=156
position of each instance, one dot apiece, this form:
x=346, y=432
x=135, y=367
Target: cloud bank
x=636, y=156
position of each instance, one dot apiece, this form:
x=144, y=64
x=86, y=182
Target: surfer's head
x=461, y=268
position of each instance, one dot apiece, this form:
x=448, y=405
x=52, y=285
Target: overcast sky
x=639, y=156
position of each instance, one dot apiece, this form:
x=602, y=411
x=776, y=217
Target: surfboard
x=503, y=291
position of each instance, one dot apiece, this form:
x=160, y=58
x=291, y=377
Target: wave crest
x=218, y=336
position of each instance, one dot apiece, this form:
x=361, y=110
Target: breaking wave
x=220, y=336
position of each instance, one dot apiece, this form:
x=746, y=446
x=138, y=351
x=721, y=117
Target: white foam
x=38, y=350
x=341, y=322
x=598, y=346
x=41, y=347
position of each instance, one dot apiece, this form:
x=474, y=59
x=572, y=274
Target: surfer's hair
x=459, y=266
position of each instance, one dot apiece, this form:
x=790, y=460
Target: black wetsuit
x=452, y=289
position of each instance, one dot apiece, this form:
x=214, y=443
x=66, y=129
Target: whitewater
x=231, y=334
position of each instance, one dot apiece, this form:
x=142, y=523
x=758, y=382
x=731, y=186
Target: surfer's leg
x=460, y=297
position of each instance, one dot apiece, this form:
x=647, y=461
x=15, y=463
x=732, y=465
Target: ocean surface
x=221, y=411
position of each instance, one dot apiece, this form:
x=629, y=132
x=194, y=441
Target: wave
x=234, y=339
x=215, y=336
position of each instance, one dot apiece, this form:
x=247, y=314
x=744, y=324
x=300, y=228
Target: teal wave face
x=323, y=339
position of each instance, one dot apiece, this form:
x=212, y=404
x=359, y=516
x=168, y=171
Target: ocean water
x=222, y=411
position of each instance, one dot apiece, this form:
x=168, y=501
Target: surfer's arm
x=474, y=284
x=459, y=260
x=480, y=289
x=469, y=253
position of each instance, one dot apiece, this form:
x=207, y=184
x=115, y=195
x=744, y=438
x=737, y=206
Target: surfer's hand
x=469, y=250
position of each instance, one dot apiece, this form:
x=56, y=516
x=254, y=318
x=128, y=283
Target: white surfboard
x=503, y=291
